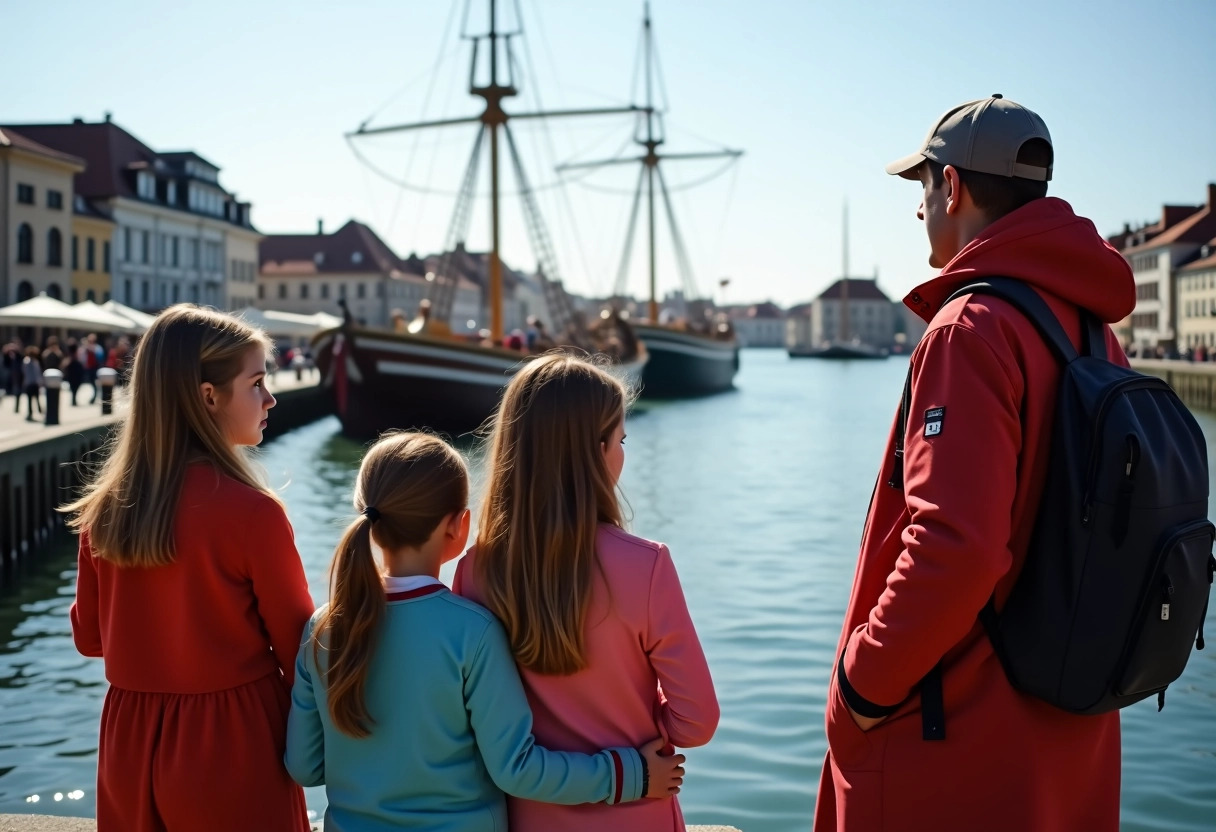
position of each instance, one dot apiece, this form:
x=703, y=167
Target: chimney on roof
x=77, y=120
x=320, y=227
x=1211, y=196
x=108, y=116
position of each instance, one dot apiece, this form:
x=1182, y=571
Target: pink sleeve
x=85, y=612
x=689, y=710
x=279, y=585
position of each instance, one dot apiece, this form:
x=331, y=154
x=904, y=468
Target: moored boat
x=383, y=380
x=684, y=363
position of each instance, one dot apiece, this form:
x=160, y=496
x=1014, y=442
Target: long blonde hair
x=412, y=481
x=549, y=488
x=129, y=507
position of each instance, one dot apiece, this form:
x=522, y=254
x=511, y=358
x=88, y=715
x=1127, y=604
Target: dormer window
x=356, y=257
x=318, y=258
x=171, y=193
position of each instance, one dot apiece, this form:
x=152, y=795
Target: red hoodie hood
x=1045, y=244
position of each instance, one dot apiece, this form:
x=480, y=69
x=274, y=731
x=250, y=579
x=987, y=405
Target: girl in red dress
x=191, y=589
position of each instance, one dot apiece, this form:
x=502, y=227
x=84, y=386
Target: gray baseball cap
x=984, y=136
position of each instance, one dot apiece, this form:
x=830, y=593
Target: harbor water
x=761, y=494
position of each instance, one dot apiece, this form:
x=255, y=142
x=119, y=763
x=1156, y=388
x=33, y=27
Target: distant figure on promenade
x=595, y=616
x=73, y=368
x=191, y=590
x=93, y=356
x=10, y=368
x=31, y=382
x=52, y=356
x=924, y=730
x=407, y=704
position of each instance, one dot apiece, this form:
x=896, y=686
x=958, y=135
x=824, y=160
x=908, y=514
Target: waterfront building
x=1157, y=252
x=798, y=325
x=178, y=234
x=91, y=247
x=871, y=315
x=759, y=325
x=36, y=202
x=1196, y=283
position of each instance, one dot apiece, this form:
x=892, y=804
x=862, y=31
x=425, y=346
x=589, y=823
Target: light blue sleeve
x=502, y=724
x=305, y=755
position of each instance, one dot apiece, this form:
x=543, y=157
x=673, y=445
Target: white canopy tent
x=47, y=312
x=142, y=318
x=133, y=325
x=288, y=324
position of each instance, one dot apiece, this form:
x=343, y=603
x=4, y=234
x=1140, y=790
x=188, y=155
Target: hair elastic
x=371, y=513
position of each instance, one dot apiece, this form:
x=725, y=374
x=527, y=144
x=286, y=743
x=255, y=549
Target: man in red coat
x=963, y=750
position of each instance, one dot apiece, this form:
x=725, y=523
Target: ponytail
x=352, y=624
x=408, y=483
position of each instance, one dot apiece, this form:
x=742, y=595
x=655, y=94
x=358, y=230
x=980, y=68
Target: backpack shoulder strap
x=1031, y=304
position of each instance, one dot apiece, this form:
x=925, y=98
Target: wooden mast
x=650, y=160
x=491, y=119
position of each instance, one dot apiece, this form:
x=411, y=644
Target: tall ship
x=421, y=373
x=698, y=354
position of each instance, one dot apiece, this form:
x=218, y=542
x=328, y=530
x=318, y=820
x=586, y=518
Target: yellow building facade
x=91, y=249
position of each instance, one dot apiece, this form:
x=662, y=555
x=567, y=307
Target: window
x=53, y=291
x=303, y=291
x=126, y=292
x=261, y=292
x=75, y=253
x=105, y=256
x=174, y=246
x=324, y=291
x=54, y=200
x=25, y=243
x=282, y=290
x=193, y=262
x=25, y=194
x=145, y=294
x=75, y=296
x=91, y=295
x=171, y=193
x=176, y=291
x=54, y=248
x=356, y=257
x=341, y=290
x=146, y=245
x=90, y=254
x=361, y=291
x=126, y=244
x=25, y=291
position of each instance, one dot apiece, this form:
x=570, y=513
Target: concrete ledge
x=46, y=823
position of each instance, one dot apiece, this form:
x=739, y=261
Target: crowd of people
x=23, y=368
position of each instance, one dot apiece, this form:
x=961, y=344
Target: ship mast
x=844, y=280
x=649, y=173
x=493, y=118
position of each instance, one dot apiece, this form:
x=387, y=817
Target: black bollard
x=54, y=381
x=107, y=377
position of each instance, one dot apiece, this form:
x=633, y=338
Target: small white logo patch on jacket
x=933, y=420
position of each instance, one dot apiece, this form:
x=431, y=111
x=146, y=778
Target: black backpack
x=1116, y=580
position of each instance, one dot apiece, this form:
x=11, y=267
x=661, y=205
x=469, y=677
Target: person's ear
x=952, y=189
x=457, y=532
x=210, y=396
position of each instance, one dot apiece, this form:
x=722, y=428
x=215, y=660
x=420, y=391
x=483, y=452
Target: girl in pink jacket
x=595, y=616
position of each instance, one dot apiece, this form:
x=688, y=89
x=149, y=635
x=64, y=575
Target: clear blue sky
x=820, y=96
